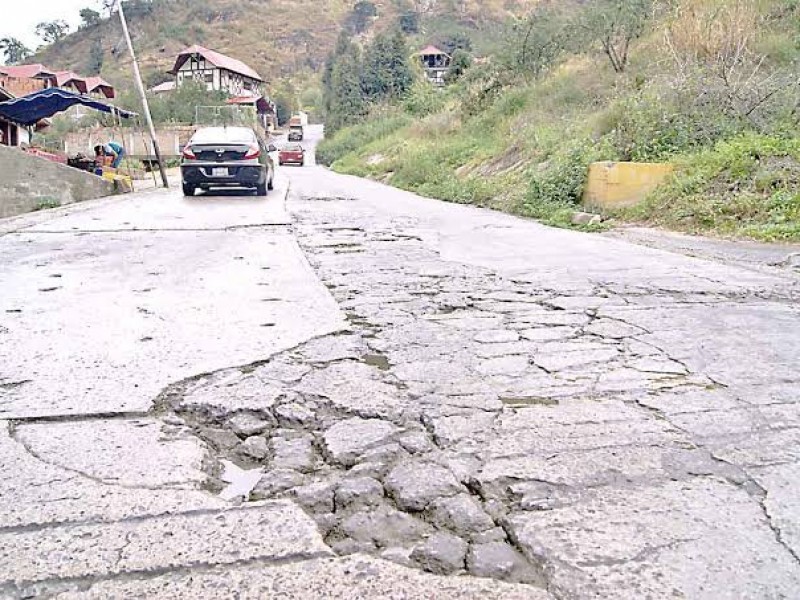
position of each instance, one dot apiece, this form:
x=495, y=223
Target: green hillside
x=711, y=85
x=279, y=38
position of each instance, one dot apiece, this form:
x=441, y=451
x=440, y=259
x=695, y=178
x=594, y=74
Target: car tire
x=271, y=184
x=188, y=189
x=302, y=163
x=261, y=189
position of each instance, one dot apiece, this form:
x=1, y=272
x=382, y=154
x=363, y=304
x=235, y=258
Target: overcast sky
x=20, y=17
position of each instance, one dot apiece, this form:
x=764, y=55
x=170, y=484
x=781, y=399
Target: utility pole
x=137, y=76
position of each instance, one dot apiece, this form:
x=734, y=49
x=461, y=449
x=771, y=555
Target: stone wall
x=28, y=183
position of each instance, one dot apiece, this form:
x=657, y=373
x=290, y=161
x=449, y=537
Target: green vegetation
x=354, y=80
x=14, y=50
x=746, y=186
x=710, y=85
x=52, y=32
x=282, y=40
x=45, y=203
x=351, y=139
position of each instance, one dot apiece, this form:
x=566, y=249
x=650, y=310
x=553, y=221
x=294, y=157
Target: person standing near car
x=112, y=149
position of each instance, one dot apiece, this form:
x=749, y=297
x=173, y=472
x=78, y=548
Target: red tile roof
x=261, y=103
x=26, y=71
x=66, y=77
x=84, y=85
x=432, y=50
x=218, y=60
x=95, y=83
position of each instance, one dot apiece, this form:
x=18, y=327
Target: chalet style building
x=436, y=64
x=217, y=71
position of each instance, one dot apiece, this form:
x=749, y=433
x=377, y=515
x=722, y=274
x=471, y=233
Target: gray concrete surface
x=27, y=183
x=360, y=393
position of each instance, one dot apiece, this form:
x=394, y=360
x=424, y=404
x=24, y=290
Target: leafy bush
x=423, y=99
x=561, y=180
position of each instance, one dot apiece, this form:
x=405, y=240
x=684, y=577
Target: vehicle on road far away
x=297, y=126
x=227, y=157
x=292, y=154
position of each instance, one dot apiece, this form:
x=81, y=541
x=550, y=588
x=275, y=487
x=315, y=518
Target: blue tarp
x=32, y=108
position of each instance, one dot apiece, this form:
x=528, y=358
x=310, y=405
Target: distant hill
x=276, y=37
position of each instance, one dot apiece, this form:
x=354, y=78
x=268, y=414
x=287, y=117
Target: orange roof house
x=22, y=80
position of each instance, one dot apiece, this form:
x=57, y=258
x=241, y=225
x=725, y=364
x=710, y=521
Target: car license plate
x=219, y=172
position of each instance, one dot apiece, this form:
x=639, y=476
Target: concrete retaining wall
x=620, y=184
x=28, y=183
x=171, y=140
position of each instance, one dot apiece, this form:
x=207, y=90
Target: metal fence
x=218, y=116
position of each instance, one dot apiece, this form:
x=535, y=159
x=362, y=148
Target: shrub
x=423, y=99
x=561, y=180
x=656, y=124
x=749, y=185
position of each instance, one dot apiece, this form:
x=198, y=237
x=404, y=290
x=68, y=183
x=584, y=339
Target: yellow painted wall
x=621, y=184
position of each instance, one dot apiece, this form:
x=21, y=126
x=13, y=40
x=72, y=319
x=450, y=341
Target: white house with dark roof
x=217, y=71
x=436, y=63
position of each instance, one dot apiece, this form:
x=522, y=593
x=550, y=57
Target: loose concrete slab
x=143, y=453
x=352, y=578
x=37, y=491
x=702, y=538
x=277, y=530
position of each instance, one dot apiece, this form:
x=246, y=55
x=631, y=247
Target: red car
x=292, y=154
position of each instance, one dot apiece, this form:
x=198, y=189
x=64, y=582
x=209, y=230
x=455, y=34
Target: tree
x=536, y=42
x=461, y=61
x=343, y=95
x=359, y=19
x=283, y=108
x=615, y=24
x=96, y=58
x=14, y=50
x=352, y=82
x=52, y=31
x=179, y=105
x=342, y=44
x=409, y=22
x=386, y=73
x=90, y=17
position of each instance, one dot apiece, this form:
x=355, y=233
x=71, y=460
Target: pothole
x=379, y=361
x=367, y=471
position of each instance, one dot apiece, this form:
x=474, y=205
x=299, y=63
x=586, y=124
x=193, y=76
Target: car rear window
x=292, y=147
x=224, y=135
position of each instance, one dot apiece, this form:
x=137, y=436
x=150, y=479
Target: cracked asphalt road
x=410, y=399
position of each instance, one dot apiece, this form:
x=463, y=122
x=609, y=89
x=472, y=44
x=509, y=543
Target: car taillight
x=188, y=153
x=253, y=152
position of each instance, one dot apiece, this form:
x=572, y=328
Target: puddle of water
x=240, y=481
x=523, y=401
x=377, y=360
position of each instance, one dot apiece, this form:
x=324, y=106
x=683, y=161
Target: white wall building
x=217, y=71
